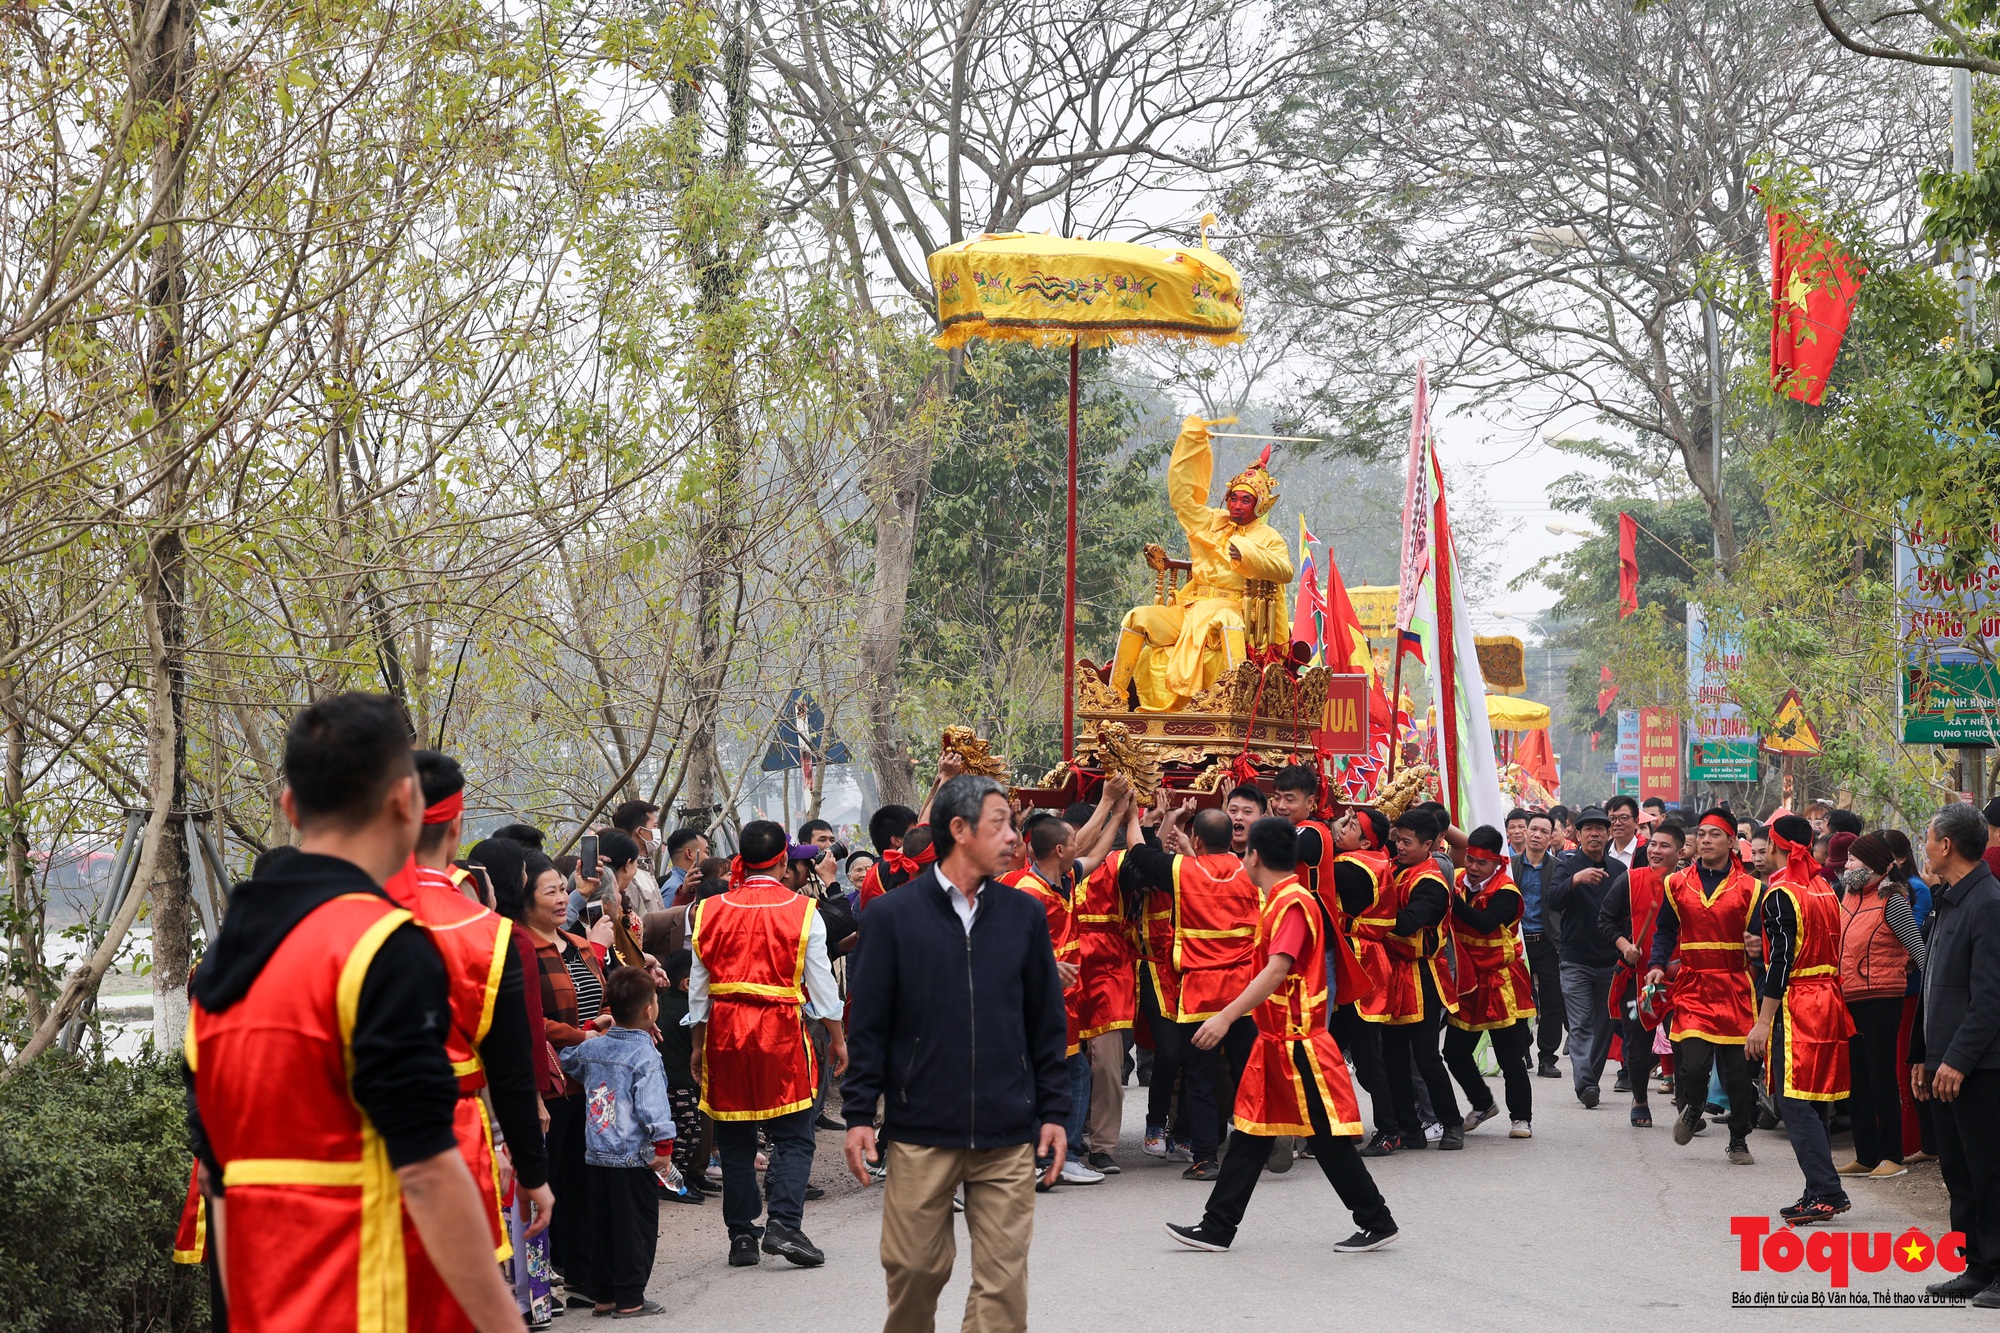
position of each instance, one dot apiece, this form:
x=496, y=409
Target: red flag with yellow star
x=1813, y=283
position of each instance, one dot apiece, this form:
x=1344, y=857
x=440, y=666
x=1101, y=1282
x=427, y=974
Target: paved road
x=1591, y=1224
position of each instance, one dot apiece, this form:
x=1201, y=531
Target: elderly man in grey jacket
x=1955, y=1042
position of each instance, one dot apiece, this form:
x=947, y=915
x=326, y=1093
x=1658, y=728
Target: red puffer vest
x=1874, y=965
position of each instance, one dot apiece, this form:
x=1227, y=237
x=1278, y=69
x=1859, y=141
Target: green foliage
x=984, y=641
x=93, y=1169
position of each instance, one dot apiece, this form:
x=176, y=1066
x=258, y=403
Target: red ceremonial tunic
x=1156, y=945
x=1494, y=990
x=1106, y=954
x=1371, y=975
x=191, y=1236
x=1648, y=889
x=317, y=1239
x=1817, y=1024
x=1271, y=1098
x=473, y=940
x=1406, y=957
x=1349, y=981
x=1063, y=935
x=1215, y=932
x=1711, y=995
x=757, y=1060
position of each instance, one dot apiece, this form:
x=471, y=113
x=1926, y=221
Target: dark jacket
x=959, y=1035
x=1959, y=1019
x=1551, y=923
x=1582, y=943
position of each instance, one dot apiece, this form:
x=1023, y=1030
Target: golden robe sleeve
x=1264, y=554
x=1190, y=468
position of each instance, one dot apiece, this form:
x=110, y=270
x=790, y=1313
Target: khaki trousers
x=1107, y=1090
x=918, y=1246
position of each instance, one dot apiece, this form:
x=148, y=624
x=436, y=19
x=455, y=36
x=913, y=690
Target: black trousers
x=1875, y=1103
x=1639, y=1057
x=1167, y=1043
x=1693, y=1058
x=1361, y=1042
x=1338, y=1161
x=1404, y=1042
x=622, y=1218
x=1510, y=1048
x=1545, y=972
x=792, y=1143
x=1211, y=1077
x=1968, y=1136
x=568, y=1241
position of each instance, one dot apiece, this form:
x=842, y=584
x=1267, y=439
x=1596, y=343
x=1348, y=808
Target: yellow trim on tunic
x=200, y=1250
x=382, y=1296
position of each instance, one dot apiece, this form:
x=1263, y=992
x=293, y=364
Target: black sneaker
x=742, y=1251
x=1382, y=1144
x=1738, y=1153
x=1363, y=1241
x=1957, y=1288
x=1684, y=1125
x=824, y=1121
x=1198, y=1237
x=1453, y=1140
x=814, y=1192
x=1588, y=1096
x=1623, y=1083
x=1207, y=1169
x=1102, y=1162
x=685, y=1194
x=792, y=1246
x=1547, y=1069
x=1806, y=1212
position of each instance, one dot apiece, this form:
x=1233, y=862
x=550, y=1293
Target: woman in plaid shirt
x=572, y=977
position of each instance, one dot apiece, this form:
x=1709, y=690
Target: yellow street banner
x=1792, y=732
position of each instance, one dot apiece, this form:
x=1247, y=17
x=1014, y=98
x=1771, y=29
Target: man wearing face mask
x=1172, y=653
x=1577, y=888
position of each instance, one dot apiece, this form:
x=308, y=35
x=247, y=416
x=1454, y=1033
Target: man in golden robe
x=1172, y=653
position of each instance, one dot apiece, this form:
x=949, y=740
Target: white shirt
x=822, y=993
x=1625, y=853
x=966, y=910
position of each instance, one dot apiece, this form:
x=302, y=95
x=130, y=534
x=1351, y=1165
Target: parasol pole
x=1069, y=567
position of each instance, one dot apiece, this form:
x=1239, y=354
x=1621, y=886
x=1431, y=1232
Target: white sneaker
x=1433, y=1132
x=1076, y=1173
x=1521, y=1130
x=1156, y=1143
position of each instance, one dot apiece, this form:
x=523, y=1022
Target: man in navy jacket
x=956, y=1030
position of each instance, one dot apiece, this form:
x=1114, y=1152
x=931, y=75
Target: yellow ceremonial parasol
x=1052, y=291
x=1510, y=714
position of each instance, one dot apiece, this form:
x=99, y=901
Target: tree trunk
x=720, y=261
x=165, y=68
x=20, y=882
x=900, y=473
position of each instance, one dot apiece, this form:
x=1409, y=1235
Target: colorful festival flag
x=1309, y=617
x=1431, y=605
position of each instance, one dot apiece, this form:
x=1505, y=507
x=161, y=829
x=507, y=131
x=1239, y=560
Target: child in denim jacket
x=628, y=1129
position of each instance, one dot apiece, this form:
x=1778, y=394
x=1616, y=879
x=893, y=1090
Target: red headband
x=1481, y=854
x=740, y=870
x=1799, y=862
x=1717, y=822
x=450, y=808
